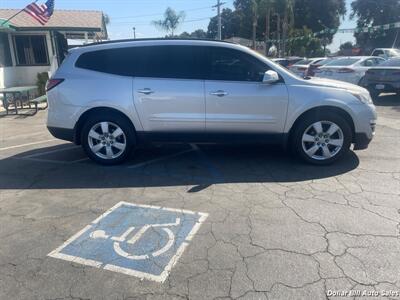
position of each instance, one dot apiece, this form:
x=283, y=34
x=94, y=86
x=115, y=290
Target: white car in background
x=349, y=69
x=386, y=53
x=300, y=68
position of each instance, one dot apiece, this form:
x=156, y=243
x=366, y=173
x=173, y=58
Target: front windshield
x=342, y=62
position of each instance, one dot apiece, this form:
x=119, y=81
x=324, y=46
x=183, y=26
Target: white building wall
x=25, y=75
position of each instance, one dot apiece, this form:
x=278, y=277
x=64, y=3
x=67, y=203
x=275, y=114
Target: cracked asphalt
x=277, y=228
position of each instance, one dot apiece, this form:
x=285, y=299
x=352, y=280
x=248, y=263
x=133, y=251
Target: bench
x=37, y=101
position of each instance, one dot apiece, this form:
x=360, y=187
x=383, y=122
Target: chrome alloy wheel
x=107, y=140
x=322, y=140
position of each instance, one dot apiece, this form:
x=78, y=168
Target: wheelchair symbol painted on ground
x=100, y=234
x=139, y=240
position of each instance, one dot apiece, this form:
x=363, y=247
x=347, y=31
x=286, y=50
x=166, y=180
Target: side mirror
x=270, y=77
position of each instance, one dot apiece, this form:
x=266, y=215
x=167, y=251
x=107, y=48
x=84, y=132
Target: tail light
x=346, y=70
x=52, y=83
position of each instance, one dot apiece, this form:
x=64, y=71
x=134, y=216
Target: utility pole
x=218, y=6
x=134, y=33
x=267, y=30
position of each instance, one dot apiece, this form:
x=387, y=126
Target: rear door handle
x=145, y=91
x=219, y=93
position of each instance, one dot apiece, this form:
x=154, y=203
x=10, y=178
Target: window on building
x=31, y=50
x=5, y=54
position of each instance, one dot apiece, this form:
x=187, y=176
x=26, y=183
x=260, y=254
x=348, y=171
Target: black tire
x=128, y=137
x=309, y=119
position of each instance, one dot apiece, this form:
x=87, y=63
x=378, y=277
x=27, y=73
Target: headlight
x=364, y=98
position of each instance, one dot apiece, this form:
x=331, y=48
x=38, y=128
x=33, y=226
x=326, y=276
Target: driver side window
x=232, y=65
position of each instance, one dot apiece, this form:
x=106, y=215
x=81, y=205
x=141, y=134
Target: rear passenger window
x=184, y=62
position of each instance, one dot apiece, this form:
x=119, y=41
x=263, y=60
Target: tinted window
x=174, y=62
x=233, y=65
x=378, y=52
x=369, y=62
x=184, y=62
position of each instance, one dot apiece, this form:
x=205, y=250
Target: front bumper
x=361, y=141
x=364, y=118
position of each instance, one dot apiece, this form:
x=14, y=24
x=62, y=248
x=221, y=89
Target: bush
x=41, y=82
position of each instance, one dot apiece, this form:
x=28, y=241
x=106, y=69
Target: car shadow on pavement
x=167, y=165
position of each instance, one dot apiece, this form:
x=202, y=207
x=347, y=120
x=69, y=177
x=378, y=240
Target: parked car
x=113, y=96
x=301, y=67
x=386, y=53
x=314, y=67
x=384, y=78
x=288, y=61
x=350, y=69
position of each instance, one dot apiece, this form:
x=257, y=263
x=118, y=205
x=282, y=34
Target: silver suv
x=111, y=96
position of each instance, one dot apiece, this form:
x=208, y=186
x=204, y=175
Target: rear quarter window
x=182, y=62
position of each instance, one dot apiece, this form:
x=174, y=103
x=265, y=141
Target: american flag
x=41, y=13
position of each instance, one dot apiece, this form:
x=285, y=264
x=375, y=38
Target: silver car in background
x=110, y=97
x=349, y=69
x=301, y=67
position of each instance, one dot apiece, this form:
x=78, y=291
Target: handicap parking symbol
x=139, y=240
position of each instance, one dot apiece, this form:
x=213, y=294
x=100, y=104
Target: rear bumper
x=62, y=133
x=389, y=86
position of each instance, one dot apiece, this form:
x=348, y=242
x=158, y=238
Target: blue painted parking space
x=138, y=240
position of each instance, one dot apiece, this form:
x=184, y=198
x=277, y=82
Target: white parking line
x=159, y=159
x=50, y=152
x=28, y=144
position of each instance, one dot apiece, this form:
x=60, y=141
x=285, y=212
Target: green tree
x=171, y=21
x=106, y=19
x=319, y=15
x=371, y=13
x=197, y=34
x=305, y=45
x=230, y=25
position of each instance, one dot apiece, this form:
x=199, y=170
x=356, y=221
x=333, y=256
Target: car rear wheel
x=322, y=139
x=107, y=140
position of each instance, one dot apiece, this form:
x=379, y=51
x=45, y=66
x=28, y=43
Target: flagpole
x=13, y=16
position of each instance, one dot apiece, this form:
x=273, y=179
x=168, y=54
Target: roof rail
x=152, y=39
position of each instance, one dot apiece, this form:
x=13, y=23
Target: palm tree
x=288, y=21
x=266, y=7
x=171, y=21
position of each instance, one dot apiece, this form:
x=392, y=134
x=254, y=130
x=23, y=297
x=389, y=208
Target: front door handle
x=146, y=91
x=219, y=93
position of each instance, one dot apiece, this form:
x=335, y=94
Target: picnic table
x=21, y=94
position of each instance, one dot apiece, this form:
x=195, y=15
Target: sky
x=126, y=14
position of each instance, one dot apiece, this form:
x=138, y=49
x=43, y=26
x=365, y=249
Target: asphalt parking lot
x=270, y=226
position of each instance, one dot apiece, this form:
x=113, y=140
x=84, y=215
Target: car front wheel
x=107, y=141
x=322, y=139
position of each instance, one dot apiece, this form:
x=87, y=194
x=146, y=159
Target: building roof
x=69, y=20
